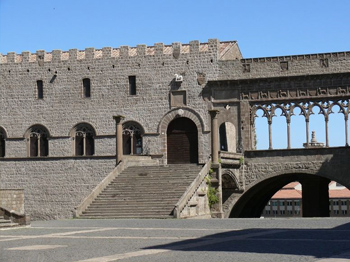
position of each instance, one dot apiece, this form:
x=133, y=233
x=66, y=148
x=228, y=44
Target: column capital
x=118, y=118
x=213, y=113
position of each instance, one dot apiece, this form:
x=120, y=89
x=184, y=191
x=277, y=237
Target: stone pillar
x=307, y=131
x=288, y=133
x=216, y=180
x=326, y=124
x=315, y=197
x=270, y=133
x=119, y=137
x=214, y=136
x=346, y=130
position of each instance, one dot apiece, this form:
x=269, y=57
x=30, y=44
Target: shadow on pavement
x=319, y=243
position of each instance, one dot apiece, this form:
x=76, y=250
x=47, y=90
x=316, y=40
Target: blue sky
x=261, y=27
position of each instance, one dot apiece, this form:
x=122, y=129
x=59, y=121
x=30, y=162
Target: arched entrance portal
x=182, y=141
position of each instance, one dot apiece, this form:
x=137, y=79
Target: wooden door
x=182, y=141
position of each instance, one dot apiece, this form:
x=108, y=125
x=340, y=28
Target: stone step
x=140, y=192
x=129, y=213
x=132, y=202
x=129, y=210
x=143, y=192
x=133, y=205
x=152, y=186
x=163, y=180
x=134, y=216
x=6, y=223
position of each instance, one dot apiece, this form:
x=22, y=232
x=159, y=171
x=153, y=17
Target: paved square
x=321, y=240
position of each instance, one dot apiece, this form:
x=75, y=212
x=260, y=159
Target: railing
x=191, y=190
x=99, y=188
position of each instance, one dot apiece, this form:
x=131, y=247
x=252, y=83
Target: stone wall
x=294, y=65
x=12, y=199
x=332, y=163
x=64, y=106
x=53, y=187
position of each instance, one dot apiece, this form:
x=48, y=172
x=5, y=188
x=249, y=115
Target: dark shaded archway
x=314, y=194
x=182, y=141
x=229, y=186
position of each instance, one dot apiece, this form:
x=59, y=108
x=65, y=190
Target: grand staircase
x=6, y=223
x=143, y=192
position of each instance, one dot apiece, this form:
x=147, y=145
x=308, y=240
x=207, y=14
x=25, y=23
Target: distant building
x=287, y=202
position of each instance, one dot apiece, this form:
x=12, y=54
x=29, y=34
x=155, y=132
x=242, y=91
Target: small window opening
x=132, y=85
x=86, y=87
x=40, y=89
x=2, y=143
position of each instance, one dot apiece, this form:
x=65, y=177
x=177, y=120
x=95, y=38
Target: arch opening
x=37, y=141
x=132, y=138
x=84, y=139
x=182, y=141
x=314, y=201
x=227, y=137
x=261, y=130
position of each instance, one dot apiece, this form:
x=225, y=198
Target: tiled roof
x=289, y=191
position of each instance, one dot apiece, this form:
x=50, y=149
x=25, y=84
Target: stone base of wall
x=53, y=187
x=12, y=199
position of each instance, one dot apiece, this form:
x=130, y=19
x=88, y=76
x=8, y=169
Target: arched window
x=132, y=138
x=37, y=138
x=84, y=136
x=2, y=142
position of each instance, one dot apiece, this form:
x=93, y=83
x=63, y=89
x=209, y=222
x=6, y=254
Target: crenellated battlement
x=212, y=46
x=296, y=57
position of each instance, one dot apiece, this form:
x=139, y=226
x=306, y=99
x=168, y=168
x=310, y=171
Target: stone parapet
x=213, y=46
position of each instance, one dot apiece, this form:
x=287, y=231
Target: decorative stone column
x=216, y=180
x=270, y=133
x=307, y=131
x=119, y=137
x=346, y=130
x=214, y=136
x=326, y=125
x=288, y=133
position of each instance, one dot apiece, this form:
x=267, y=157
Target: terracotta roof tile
x=289, y=192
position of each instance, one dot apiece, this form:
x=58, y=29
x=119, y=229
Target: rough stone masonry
x=57, y=132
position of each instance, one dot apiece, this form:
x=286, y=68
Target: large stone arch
x=257, y=194
x=187, y=113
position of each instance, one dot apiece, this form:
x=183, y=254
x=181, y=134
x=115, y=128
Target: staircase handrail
x=191, y=189
x=77, y=212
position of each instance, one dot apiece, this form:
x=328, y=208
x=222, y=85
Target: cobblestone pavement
x=318, y=239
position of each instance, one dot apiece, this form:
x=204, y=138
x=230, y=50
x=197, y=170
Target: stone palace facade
x=58, y=134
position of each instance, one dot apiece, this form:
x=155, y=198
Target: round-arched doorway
x=182, y=141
